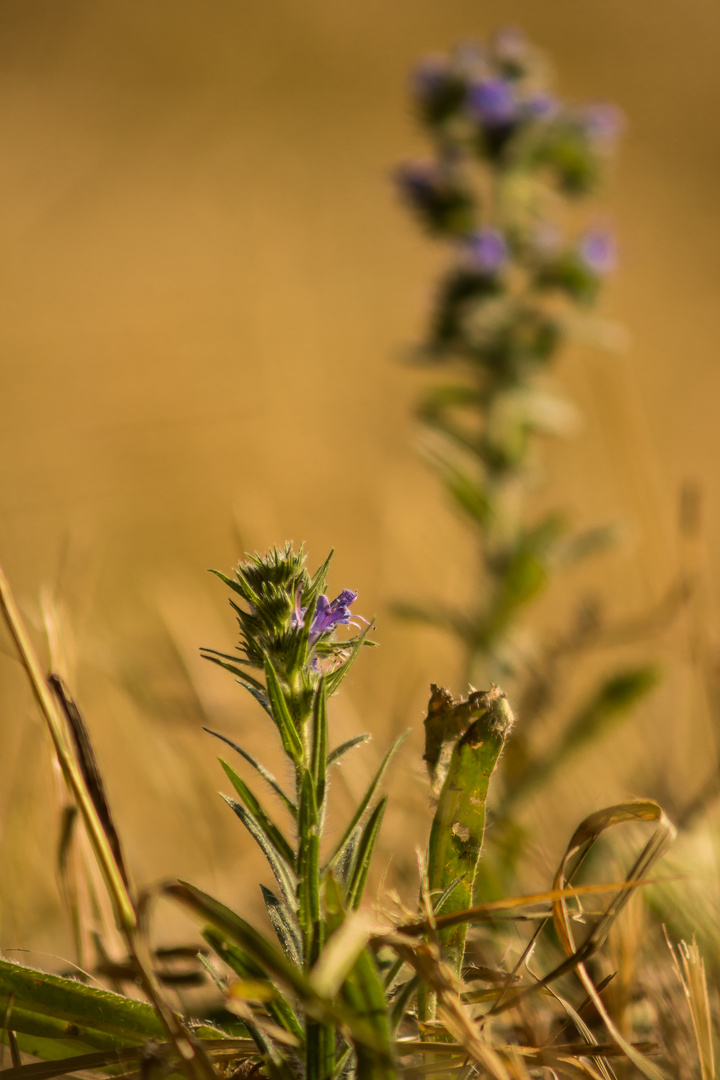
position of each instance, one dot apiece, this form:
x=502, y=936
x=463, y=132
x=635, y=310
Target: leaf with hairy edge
x=281, y=714
x=263, y=819
x=245, y=967
x=284, y=925
x=283, y=873
x=240, y=586
x=365, y=801
x=456, y=835
x=363, y=855
x=364, y=992
x=243, y=934
x=318, y=763
x=308, y=868
x=339, y=752
x=266, y=775
x=62, y=1016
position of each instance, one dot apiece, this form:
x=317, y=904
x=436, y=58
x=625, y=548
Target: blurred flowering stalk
x=509, y=165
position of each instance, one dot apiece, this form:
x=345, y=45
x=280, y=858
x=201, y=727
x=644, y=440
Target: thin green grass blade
x=271, y=831
x=365, y=801
x=266, y=775
x=281, y=714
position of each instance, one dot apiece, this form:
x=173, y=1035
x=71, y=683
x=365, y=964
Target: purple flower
x=488, y=252
x=493, y=102
x=328, y=614
x=541, y=105
x=598, y=252
x=603, y=122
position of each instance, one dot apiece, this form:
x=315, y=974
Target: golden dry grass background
x=207, y=286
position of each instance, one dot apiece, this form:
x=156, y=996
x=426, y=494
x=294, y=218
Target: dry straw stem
x=194, y=1059
x=124, y=909
x=690, y=969
x=582, y=840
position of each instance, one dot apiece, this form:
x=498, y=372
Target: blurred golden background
x=208, y=288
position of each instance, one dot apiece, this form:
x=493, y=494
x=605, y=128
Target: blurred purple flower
x=541, y=105
x=493, y=102
x=488, y=252
x=603, y=122
x=597, y=250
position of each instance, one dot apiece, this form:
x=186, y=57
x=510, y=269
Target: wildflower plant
x=343, y=988
x=501, y=190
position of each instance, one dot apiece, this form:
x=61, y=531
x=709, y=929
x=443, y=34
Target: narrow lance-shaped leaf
x=266, y=775
x=364, y=854
x=281, y=714
x=285, y=926
x=271, y=831
x=365, y=801
x=319, y=744
x=245, y=967
x=458, y=827
x=340, y=751
x=283, y=873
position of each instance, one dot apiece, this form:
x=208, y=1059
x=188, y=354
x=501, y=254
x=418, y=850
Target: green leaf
x=57, y=1018
x=365, y=801
x=318, y=764
x=457, y=831
x=266, y=775
x=283, y=873
x=363, y=854
x=308, y=868
x=339, y=752
x=281, y=714
x=265, y=823
x=245, y=967
x=242, y=933
x=284, y=925
x=365, y=993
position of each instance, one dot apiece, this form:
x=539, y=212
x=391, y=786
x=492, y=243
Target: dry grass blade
x=71, y=773
x=219, y=1050
x=89, y=766
x=690, y=969
x=582, y=840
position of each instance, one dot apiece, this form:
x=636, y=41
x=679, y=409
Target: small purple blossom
x=297, y=619
x=541, y=106
x=598, y=252
x=329, y=614
x=603, y=122
x=493, y=102
x=487, y=251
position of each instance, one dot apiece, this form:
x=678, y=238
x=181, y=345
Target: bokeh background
x=209, y=290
